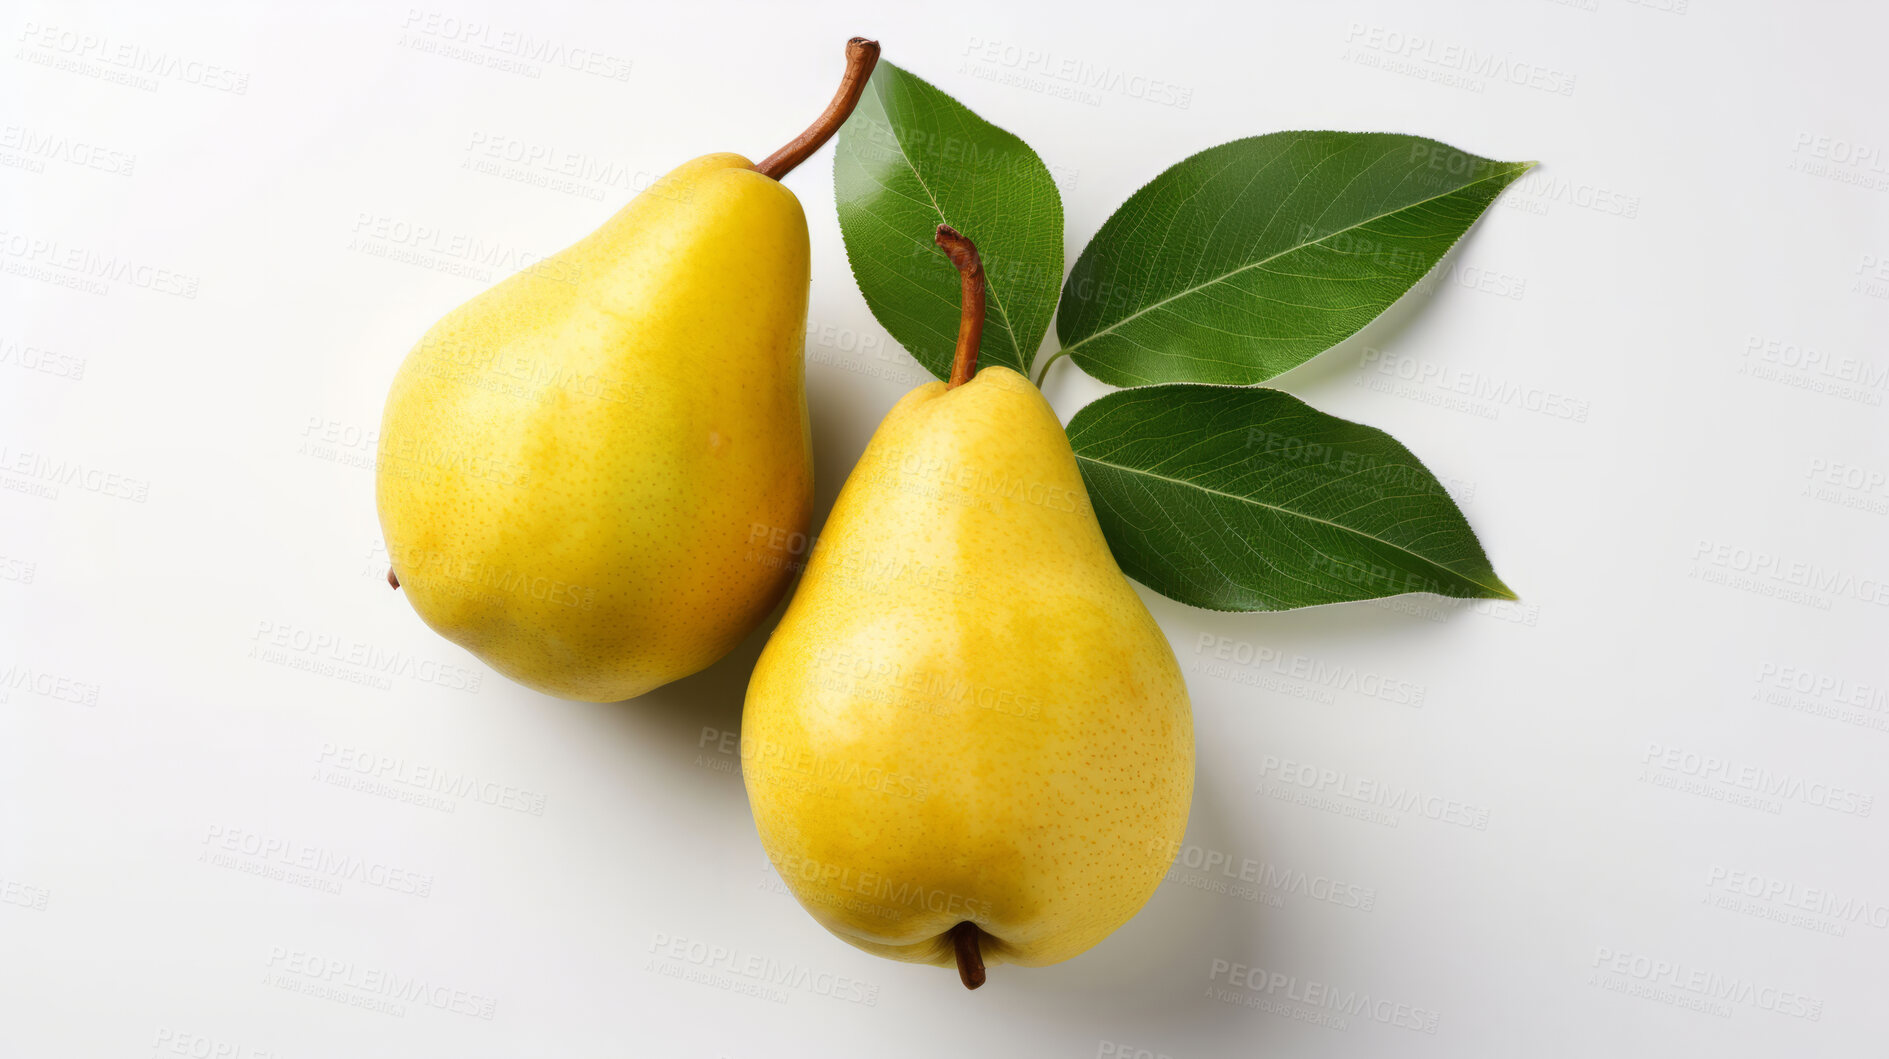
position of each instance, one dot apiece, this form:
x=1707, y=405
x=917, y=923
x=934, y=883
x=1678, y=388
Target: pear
x=967, y=741
x=587, y=472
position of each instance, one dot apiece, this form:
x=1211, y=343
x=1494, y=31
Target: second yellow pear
x=967, y=715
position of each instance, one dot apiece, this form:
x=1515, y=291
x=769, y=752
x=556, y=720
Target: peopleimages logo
x=929, y=690
x=761, y=971
x=792, y=765
x=1823, y=694
x=1311, y=670
x=43, y=474
x=1838, y=689
x=18, y=571
x=14, y=892
x=290, y=860
x=1711, y=771
x=482, y=580
x=1809, y=368
x=47, y=685
x=498, y=45
x=37, y=358
x=579, y=170
x=1310, y=779
x=1842, y=160
x=1220, y=872
x=1776, y=573
x=983, y=481
x=1470, y=64
x=1342, y=463
x=1082, y=78
x=905, y=896
x=56, y=261
x=378, y=989
x=1790, y=895
x=37, y=147
x=1493, y=392
x=1323, y=996
x=1653, y=974
x=401, y=772
x=125, y=61
x=329, y=654
x=455, y=253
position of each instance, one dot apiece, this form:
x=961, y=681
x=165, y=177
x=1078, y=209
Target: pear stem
x=861, y=56
x=963, y=254
x=391, y=579
x=970, y=961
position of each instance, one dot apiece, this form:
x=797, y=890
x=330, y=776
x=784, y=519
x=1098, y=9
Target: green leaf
x=912, y=158
x=1250, y=257
x=1238, y=498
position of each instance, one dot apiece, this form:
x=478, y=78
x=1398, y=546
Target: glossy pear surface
x=967, y=714
x=580, y=468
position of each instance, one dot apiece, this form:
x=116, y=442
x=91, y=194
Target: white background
x=1655, y=374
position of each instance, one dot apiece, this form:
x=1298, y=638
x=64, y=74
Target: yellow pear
x=581, y=469
x=968, y=741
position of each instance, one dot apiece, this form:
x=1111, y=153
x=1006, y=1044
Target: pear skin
x=967, y=714
x=580, y=469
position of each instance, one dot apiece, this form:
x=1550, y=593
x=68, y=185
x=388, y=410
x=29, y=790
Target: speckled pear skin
x=967, y=713
x=576, y=466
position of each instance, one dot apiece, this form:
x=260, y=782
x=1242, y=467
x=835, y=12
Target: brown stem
x=970, y=961
x=861, y=56
x=391, y=579
x=963, y=254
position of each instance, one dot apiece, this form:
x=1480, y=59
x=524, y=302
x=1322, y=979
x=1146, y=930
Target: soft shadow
x=1151, y=973
x=1400, y=617
x=712, y=698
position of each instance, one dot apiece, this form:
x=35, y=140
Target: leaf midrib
x=1137, y=314
x=1497, y=588
x=996, y=297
